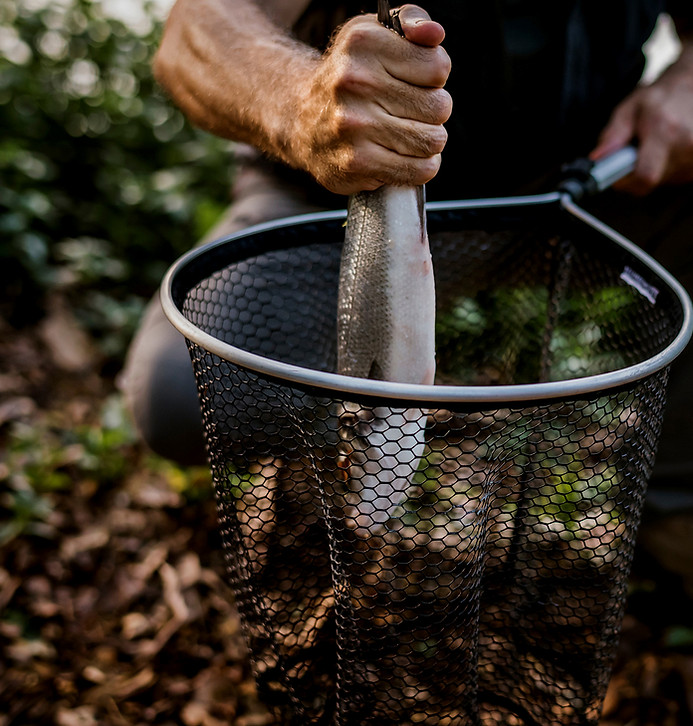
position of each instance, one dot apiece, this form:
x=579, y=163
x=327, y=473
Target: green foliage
x=679, y=637
x=50, y=456
x=47, y=457
x=104, y=182
x=502, y=335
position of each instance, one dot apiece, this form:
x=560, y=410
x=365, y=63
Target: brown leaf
x=255, y=719
x=134, y=625
x=69, y=346
x=91, y=539
x=152, y=492
x=24, y=651
x=123, y=686
x=149, y=648
x=8, y=587
x=93, y=674
x=196, y=714
x=81, y=716
x=189, y=570
x=155, y=556
x=15, y=409
x=173, y=592
x=11, y=382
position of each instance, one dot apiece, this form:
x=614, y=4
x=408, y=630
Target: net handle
x=610, y=169
x=585, y=177
x=389, y=18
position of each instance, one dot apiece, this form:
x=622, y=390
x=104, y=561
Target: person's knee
x=160, y=390
x=158, y=379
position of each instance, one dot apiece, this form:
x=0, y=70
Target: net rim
x=406, y=392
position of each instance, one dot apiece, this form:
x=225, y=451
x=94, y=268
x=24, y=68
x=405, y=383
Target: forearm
x=368, y=112
x=235, y=72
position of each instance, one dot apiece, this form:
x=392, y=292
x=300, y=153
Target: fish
x=385, y=331
x=386, y=299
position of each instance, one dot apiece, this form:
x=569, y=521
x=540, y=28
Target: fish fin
x=376, y=372
x=421, y=204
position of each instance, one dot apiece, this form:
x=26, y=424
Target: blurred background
x=113, y=607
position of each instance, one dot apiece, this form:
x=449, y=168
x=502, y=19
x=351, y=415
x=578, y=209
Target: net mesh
x=407, y=563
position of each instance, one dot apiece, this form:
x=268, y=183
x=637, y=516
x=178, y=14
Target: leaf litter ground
x=113, y=602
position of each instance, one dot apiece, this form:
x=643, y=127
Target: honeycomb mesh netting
x=423, y=563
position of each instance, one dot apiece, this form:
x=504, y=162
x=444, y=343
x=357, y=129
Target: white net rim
x=342, y=386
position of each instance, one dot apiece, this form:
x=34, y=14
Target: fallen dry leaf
x=81, y=716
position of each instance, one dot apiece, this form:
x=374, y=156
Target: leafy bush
x=104, y=182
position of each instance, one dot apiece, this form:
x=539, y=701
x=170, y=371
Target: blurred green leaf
x=43, y=458
x=104, y=182
x=679, y=636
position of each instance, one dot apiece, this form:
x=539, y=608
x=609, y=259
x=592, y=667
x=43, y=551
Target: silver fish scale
x=362, y=283
x=386, y=323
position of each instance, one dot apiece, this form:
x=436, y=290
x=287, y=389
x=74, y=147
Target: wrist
x=282, y=117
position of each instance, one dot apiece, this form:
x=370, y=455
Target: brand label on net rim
x=632, y=278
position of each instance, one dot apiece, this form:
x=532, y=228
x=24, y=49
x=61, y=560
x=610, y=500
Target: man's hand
x=369, y=111
x=372, y=113
x=659, y=117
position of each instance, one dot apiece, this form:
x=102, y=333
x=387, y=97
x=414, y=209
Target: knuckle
x=428, y=143
x=441, y=67
x=426, y=169
x=345, y=122
x=354, y=163
x=686, y=136
x=666, y=123
x=646, y=178
x=357, y=33
x=443, y=105
x=436, y=106
x=679, y=131
x=352, y=78
x=438, y=140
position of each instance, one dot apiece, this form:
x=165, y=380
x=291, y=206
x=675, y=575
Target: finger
x=418, y=66
x=429, y=106
x=368, y=122
x=418, y=27
x=360, y=89
x=651, y=167
x=397, y=170
x=618, y=132
x=372, y=165
x=363, y=38
x=410, y=138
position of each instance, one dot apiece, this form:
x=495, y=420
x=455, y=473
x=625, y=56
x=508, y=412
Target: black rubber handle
x=584, y=177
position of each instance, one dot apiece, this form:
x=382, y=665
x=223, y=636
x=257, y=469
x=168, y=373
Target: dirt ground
x=113, y=602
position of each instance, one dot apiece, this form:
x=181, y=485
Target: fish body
x=385, y=331
x=386, y=314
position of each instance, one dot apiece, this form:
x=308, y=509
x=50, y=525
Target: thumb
x=418, y=27
x=619, y=131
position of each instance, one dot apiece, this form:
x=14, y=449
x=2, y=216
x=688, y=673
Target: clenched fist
x=373, y=110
